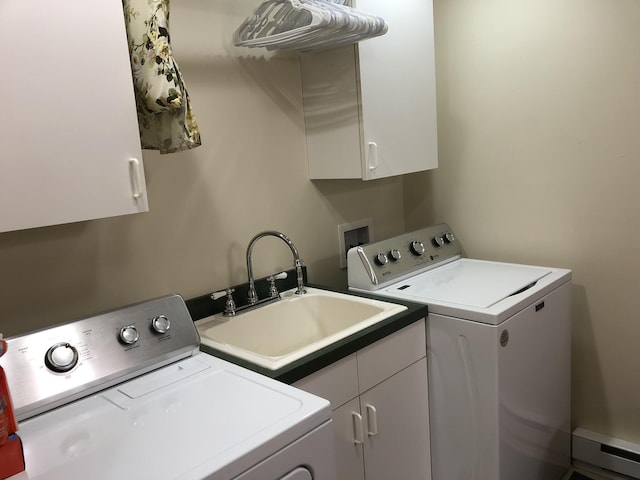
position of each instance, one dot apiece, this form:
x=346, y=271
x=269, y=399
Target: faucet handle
x=230, y=304
x=277, y=276
x=273, y=290
x=220, y=294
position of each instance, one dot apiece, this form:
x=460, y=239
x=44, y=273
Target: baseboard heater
x=608, y=453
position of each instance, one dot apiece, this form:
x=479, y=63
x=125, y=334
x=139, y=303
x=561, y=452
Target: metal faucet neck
x=253, y=297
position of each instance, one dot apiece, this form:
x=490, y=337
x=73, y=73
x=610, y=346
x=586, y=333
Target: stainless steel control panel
x=377, y=264
x=50, y=367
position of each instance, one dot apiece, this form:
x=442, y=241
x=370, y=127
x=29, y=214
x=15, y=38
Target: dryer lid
x=471, y=283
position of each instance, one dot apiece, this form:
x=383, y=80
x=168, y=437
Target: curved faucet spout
x=253, y=297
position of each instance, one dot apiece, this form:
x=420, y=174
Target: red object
x=11, y=457
x=11, y=454
x=7, y=418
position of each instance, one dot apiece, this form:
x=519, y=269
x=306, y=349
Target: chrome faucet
x=253, y=297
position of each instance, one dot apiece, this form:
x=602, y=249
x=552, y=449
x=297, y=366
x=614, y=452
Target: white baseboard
x=607, y=454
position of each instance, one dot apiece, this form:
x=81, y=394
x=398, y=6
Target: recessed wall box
x=353, y=234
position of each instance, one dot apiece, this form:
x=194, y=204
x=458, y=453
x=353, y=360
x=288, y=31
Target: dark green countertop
x=202, y=307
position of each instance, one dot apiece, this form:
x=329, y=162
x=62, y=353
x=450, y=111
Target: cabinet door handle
x=134, y=171
x=373, y=156
x=358, y=436
x=372, y=420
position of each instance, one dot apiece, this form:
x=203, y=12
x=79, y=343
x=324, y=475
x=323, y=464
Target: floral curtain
x=165, y=117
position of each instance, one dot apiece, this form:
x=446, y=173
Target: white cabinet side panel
x=332, y=111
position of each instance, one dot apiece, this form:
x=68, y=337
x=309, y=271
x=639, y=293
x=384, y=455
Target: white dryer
x=498, y=353
x=127, y=395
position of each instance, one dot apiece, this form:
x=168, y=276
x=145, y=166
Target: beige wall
x=205, y=204
x=539, y=139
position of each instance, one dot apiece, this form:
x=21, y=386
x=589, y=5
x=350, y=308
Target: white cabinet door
x=68, y=126
x=370, y=109
x=397, y=85
x=348, y=426
x=396, y=414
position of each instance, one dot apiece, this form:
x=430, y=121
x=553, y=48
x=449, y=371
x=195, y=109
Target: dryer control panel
x=57, y=365
x=377, y=264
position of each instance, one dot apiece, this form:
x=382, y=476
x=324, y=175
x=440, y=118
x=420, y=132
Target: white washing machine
x=128, y=395
x=498, y=352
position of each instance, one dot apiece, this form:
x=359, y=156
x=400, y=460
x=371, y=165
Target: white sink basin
x=278, y=333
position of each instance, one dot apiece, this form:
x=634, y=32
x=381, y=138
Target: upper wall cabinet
x=370, y=108
x=68, y=127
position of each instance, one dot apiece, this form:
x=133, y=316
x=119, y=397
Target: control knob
x=448, y=237
x=161, y=324
x=395, y=255
x=129, y=335
x=381, y=259
x=437, y=241
x=61, y=357
x=417, y=247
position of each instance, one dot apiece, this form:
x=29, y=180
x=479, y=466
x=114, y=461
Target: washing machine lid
x=200, y=417
x=470, y=283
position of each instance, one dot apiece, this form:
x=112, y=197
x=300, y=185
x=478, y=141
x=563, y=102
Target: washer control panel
x=369, y=266
x=50, y=367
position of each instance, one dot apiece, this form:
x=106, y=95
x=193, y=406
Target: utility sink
x=276, y=334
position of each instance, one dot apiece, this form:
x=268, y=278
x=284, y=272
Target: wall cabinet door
x=68, y=127
x=370, y=108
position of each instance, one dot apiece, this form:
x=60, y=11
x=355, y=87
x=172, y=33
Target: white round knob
x=395, y=255
x=61, y=357
x=437, y=241
x=129, y=335
x=161, y=324
x=449, y=237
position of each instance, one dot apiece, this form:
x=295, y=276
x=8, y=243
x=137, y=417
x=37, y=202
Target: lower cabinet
x=380, y=408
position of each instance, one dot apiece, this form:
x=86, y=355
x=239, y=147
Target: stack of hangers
x=306, y=25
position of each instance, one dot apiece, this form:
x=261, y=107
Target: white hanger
x=359, y=26
x=306, y=25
